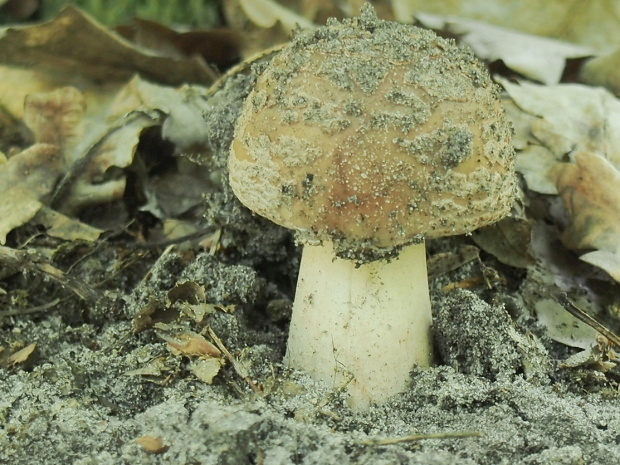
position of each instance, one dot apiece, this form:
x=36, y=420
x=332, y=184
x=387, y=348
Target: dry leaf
x=205, y=369
x=219, y=47
x=21, y=356
x=183, y=108
x=63, y=227
x=101, y=55
x=192, y=345
x=189, y=291
x=25, y=180
x=152, y=444
x=563, y=118
x=266, y=13
x=56, y=117
x=590, y=191
x=508, y=241
x=568, y=20
x=603, y=71
x=538, y=58
x=562, y=326
x=599, y=356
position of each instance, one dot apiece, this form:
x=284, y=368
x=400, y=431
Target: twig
x=19, y=259
x=238, y=368
x=28, y=311
x=420, y=437
x=587, y=319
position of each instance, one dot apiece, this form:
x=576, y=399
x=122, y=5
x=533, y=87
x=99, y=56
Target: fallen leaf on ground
x=603, y=71
x=25, y=179
x=267, y=13
x=191, y=344
x=538, y=58
x=205, y=369
x=568, y=20
x=590, y=191
x=22, y=355
x=101, y=55
x=563, y=118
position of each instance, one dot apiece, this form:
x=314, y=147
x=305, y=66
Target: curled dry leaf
x=590, y=191
x=25, y=180
x=191, y=344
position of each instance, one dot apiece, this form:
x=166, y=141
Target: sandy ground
x=99, y=392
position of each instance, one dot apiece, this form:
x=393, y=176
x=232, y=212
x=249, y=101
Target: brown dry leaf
x=152, y=444
x=219, y=47
x=73, y=44
x=156, y=370
x=21, y=356
x=152, y=313
x=25, y=180
x=191, y=345
x=189, y=291
x=590, y=191
x=508, y=241
x=28, y=178
x=87, y=181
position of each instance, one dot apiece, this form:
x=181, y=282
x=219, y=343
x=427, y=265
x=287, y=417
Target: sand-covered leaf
x=590, y=191
x=205, y=369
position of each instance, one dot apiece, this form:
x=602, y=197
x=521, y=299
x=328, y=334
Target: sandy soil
x=97, y=389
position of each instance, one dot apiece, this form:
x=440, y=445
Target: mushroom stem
x=371, y=323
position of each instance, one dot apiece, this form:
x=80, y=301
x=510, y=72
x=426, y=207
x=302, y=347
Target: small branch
x=233, y=361
x=19, y=260
x=420, y=437
x=28, y=311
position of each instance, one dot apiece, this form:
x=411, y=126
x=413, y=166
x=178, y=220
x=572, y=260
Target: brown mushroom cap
x=374, y=135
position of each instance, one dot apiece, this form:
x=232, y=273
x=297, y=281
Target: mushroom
x=366, y=137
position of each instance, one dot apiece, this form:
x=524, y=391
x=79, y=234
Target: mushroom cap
x=374, y=135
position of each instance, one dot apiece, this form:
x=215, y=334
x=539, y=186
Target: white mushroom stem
x=371, y=323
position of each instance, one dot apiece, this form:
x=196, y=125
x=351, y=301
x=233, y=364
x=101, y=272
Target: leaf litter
x=182, y=347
